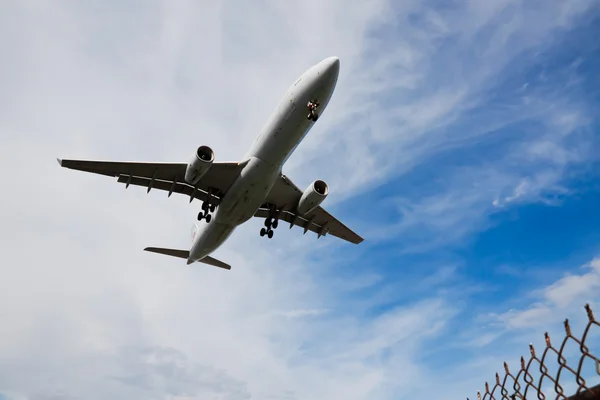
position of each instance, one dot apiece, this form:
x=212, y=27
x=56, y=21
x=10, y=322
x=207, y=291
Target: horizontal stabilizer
x=185, y=255
x=214, y=262
x=169, y=252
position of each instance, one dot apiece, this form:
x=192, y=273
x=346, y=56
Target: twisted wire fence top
x=535, y=381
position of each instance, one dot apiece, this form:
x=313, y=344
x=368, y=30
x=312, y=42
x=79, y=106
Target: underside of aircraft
x=231, y=193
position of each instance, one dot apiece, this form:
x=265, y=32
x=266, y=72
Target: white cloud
x=81, y=304
x=567, y=293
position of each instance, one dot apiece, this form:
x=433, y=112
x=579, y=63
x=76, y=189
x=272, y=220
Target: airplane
x=234, y=192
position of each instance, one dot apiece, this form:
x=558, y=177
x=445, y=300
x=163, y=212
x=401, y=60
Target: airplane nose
x=331, y=66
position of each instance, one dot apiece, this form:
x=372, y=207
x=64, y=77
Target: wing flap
x=290, y=218
x=181, y=188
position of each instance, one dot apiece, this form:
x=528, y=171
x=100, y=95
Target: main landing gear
x=207, y=209
x=312, y=110
x=271, y=223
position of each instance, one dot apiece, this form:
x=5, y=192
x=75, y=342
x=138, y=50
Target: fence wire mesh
x=551, y=375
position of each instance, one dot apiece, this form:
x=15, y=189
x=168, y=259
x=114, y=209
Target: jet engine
x=199, y=165
x=312, y=197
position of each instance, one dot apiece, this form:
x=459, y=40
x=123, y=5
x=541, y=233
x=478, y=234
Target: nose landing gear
x=312, y=110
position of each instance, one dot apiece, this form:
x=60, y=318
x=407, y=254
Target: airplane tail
x=186, y=254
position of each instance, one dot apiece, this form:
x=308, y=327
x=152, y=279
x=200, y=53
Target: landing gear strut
x=312, y=110
x=207, y=208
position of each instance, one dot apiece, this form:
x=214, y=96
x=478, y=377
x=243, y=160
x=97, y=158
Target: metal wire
x=524, y=386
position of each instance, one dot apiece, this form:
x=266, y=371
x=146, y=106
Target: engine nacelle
x=312, y=197
x=199, y=165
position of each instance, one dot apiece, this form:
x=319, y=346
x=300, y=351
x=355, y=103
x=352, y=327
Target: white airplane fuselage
x=283, y=132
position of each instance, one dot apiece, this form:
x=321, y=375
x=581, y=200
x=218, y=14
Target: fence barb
x=524, y=386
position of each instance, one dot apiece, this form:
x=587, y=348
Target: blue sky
x=461, y=143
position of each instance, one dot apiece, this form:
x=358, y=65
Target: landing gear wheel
x=268, y=222
x=270, y=234
x=274, y=224
x=207, y=208
x=263, y=231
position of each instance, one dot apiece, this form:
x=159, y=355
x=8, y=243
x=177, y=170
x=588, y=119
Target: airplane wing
x=163, y=176
x=285, y=195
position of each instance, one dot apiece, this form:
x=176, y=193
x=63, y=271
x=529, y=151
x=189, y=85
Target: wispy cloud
x=570, y=291
x=526, y=156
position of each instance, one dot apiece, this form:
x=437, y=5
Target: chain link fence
x=550, y=375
